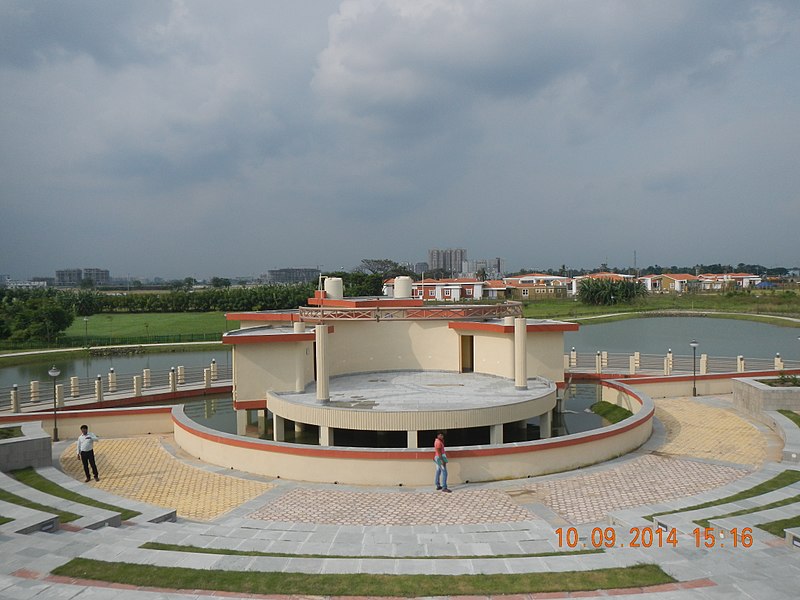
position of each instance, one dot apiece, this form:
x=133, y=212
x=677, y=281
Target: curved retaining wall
x=360, y=466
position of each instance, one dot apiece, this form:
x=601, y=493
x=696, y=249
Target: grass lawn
x=777, y=482
x=611, y=412
x=63, y=515
x=777, y=527
x=4, y=520
x=228, y=552
x=754, y=307
x=10, y=432
x=154, y=324
x=747, y=511
x=361, y=584
x=30, y=477
x=790, y=414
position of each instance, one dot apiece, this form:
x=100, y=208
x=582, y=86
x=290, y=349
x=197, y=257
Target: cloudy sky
x=157, y=138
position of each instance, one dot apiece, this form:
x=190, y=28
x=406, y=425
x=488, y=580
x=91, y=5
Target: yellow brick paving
x=140, y=468
x=696, y=429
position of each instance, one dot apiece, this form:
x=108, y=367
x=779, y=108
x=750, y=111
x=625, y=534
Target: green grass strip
x=63, y=515
x=228, y=552
x=781, y=480
x=748, y=511
x=4, y=520
x=777, y=527
x=361, y=584
x=30, y=477
x=610, y=412
x=10, y=432
x=790, y=414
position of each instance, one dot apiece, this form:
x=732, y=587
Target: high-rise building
x=291, y=275
x=449, y=259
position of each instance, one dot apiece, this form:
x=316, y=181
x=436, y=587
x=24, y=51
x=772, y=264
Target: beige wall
x=366, y=467
x=258, y=368
x=411, y=420
x=668, y=389
x=365, y=346
x=494, y=353
x=546, y=355
x=119, y=422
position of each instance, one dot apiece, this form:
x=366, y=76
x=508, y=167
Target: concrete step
x=91, y=517
x=149, y=513
x=26, y=520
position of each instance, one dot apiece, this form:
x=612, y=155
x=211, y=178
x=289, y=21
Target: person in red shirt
x=440, y=458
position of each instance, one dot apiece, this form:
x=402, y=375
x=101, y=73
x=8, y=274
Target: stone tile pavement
x=476, y=523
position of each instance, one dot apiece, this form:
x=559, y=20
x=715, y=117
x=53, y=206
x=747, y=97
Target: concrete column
x=300, y=363
x=323, y=394
x=181, y=375
x=15, y=399
x=703, y=364
x=573, y=358
x=214, y=371
x=411, y=440
x=34, y=391
x=299, y=427
x=521, y=353
x=669, y=358
x=278, y=428
x=60, y=395
x=325, y=436
x=146, y=378
x=632, y=365
x=778, y=362
x=598, y=363
x=546, y=425
x=112, y=380
x=74, y=386
x=173, y=380
x=137, y=385
x=666, y=365
x=740, y=364
x=206, y=377
x=277, y=435
x=98, y=388
x=496, y=434
x=241, y=422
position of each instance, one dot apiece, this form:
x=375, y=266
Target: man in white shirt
x=86, y=451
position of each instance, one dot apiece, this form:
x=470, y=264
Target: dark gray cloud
x=166, y=138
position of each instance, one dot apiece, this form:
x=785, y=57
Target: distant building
x=69, y=277
x=98, y=277
x=449, y=259
x=291, y=275
x=421, y=267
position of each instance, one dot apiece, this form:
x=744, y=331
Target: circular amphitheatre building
x=366, y=383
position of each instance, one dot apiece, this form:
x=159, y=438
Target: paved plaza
x=701, y=449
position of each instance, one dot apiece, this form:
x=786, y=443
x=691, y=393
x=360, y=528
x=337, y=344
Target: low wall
x=32, y=449
x=753, y=397
x=119, y=422
x=386, y=467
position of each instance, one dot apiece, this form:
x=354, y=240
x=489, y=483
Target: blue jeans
x=441, y=473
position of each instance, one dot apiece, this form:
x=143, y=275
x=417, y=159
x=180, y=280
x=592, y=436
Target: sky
x=205, y=138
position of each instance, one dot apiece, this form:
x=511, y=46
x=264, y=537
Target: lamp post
x=86, y=331
x=54, y=372
x=694, y=346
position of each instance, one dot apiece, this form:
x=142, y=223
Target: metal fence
x=85, y=388
x=661, y=364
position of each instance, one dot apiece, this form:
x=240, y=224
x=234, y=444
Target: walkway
x=685, y=462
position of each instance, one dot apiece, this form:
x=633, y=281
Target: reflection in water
x=217, y=413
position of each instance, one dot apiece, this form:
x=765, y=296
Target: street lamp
x=694, y=346
x=54, y=372
x=86, y=331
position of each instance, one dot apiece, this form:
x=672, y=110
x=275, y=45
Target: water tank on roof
x=334, y=288
x=402, y=287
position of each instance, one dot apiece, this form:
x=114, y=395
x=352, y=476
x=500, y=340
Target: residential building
x=69, y=277
x=291, y=275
